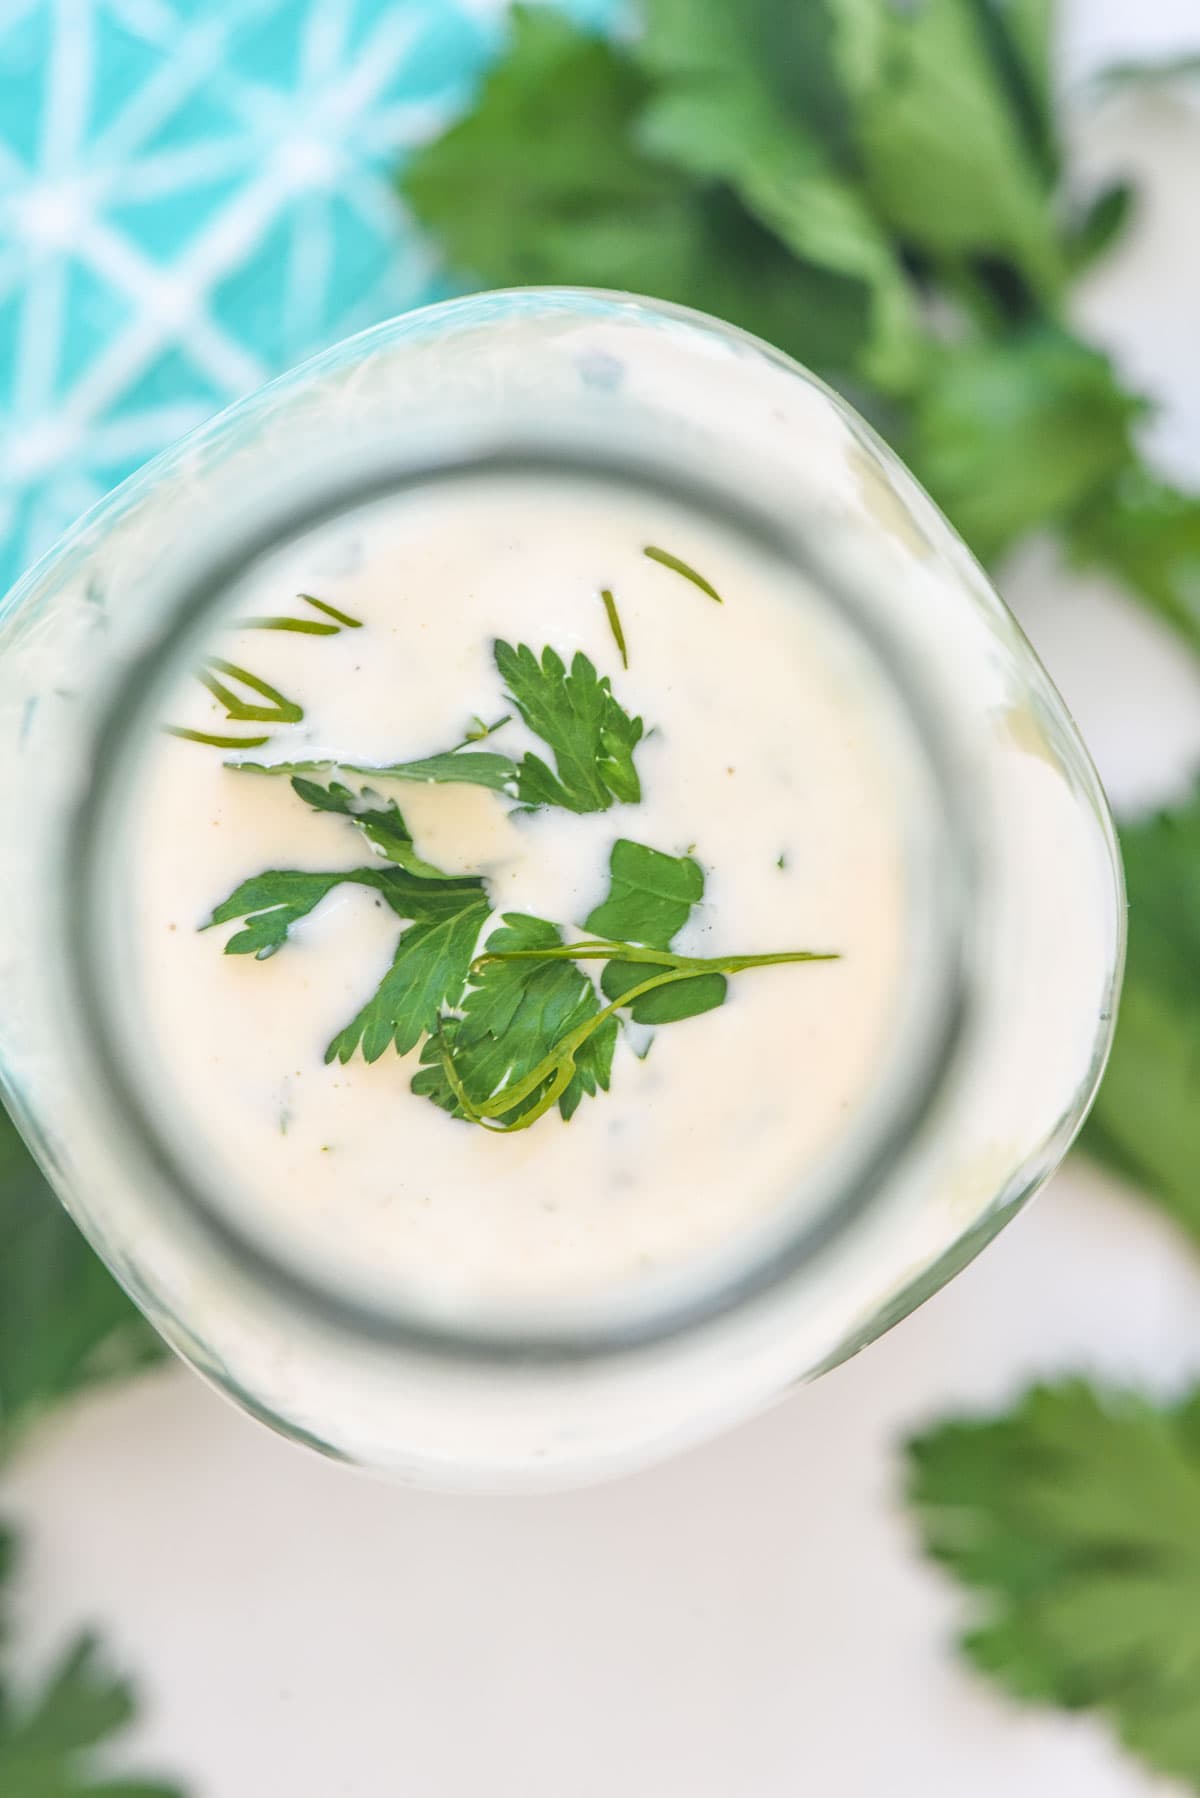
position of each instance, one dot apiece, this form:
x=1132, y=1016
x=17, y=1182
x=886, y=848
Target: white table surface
x=751, y=1620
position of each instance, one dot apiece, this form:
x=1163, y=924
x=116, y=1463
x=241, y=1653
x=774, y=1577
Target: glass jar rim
x=193, y=590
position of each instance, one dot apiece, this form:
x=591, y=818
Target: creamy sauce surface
x=767, y=757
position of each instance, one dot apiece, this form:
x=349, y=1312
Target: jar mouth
x=183, y=602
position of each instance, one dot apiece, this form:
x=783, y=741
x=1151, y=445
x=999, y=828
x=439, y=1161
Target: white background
x=752, y=1620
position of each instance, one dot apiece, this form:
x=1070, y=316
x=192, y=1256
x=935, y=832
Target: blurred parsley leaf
x=1012, y=435
x=750, y=95
x=1147, y=533
x=65, y=1324
x=946, y=161
x=47, y=1741
x=783, y=59
x=1147, y=72
x=598, y=209
x=1146, y=1121
x=1019, y=36
x=1077, y=1519
x=1100, y=225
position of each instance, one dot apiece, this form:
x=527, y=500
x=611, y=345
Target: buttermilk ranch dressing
x=766, y=757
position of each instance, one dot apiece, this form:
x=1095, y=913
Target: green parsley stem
x=598, y=949
x=559, y=1065
x=481, y=731
x=560, y=1062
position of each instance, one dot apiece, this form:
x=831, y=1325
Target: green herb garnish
x=614, y=623
x=677, y=566
x=519, y=1026
x=498, y=773
x=445, y=915
x=573, y=711
x=428, y=971
x=213, y=739
x=513, y=1012
x=592, y=739
x=308, y=627
x=278, y=709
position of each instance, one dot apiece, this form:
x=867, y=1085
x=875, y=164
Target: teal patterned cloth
x=195, y=194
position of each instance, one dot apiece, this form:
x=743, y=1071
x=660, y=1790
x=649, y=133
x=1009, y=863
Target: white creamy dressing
x=769, y=756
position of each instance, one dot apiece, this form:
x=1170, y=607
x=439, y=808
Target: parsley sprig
x=517, y=1026
x=533, y=1031
x=573, y=710
x=1075, y=1518
x=54, y=1741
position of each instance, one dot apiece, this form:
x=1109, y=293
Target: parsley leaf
x=453, y=767
x=513, y=1015
x=532, y=1037
x=380, y=821
x=273, y=901
x=431, y=959
x=1077, y=1519
x=1148, y=534
x=1146, y=1122
x=602, y=210
x=948, y=166
x=749, y=96
x=428, y=971
x=65, y=1324
x=47, y=1741
x=650, y=895
x=593, y=740
x=1011, y=436
x=650, y=899
x=432, y=956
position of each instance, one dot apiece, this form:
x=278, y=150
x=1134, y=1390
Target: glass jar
x=1016, y=946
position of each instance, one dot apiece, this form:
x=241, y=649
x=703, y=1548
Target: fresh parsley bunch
x=877, y=188
x=1076, y=1521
